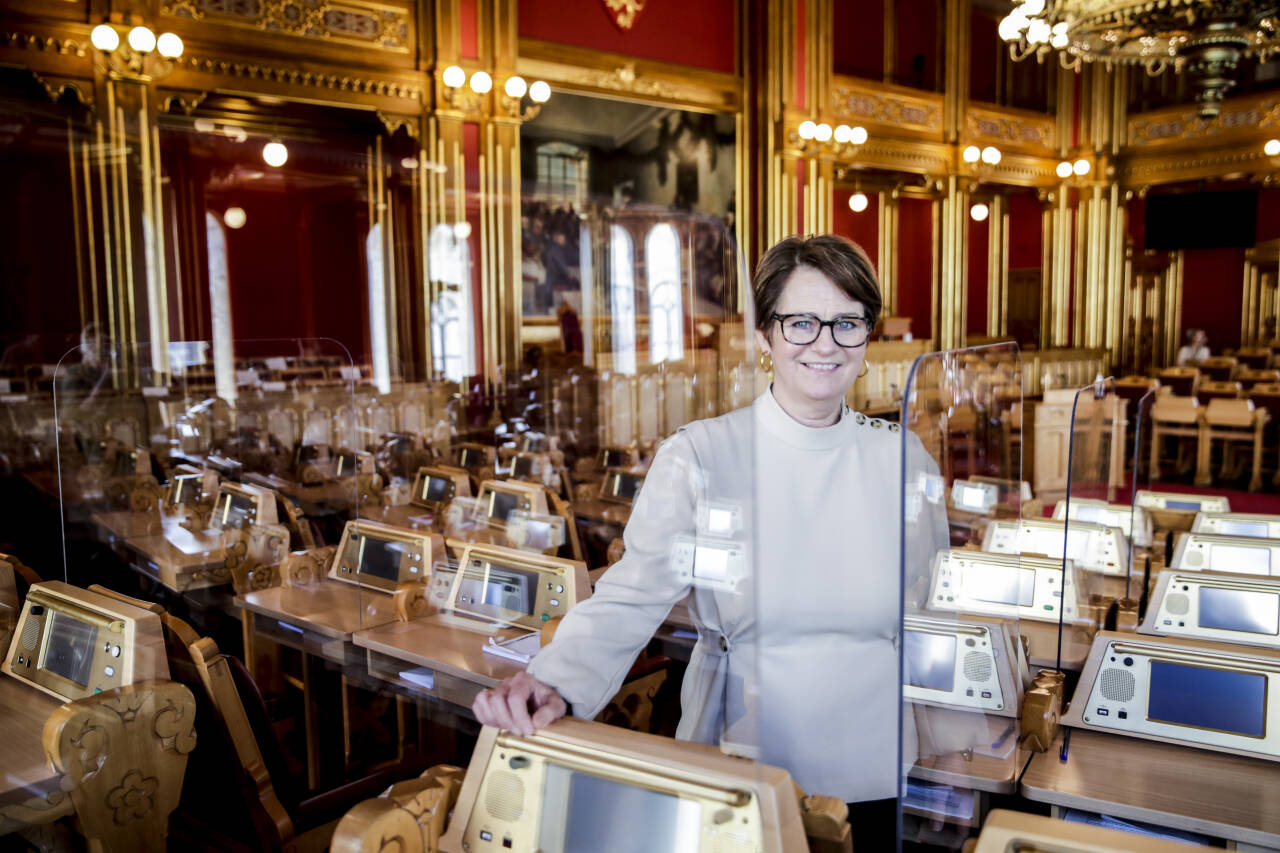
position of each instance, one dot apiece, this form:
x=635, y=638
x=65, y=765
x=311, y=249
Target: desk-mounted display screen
x=585, y=813
x=929, y=660
x=381, y=558
x=626, y=486
x=1096, y=515
x=501, y=504
x=1000, y=584
x=69, y=647
x=1239, y=610
x=435, y=489
x=126, y=464
x=1191, y=506
x=612, y=457
x=1207, y=698
x=470, y=457
x=1049, y=543
x=185, y=489
x=1255, y=529
x=1240, y=559
x=345, y=465
x=235, y=510
x=973, y=497
x=495, y=591
x=522, y=466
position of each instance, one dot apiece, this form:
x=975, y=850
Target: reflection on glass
x=1256, y=529
x=68, y=651
x=224, y=368
x=498, y=590
x=662, y=269
x=622, y=286
x=930, y=660
x=449, y=262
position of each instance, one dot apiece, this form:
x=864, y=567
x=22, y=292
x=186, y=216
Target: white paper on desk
x=520, y=649
x=1003, y=744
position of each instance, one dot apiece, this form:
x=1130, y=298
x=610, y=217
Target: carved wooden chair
x=123, y=756
x=1180, y=417
x=1232, y=422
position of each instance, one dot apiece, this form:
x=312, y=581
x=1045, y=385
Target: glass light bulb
x=1059, y=40
x=453, y=76
x=275, y=154
x=1081, y=167
x=1038, y=32
x=1010, y=28
x=823, y=132
x=1031, y=8
x=234, y=217
x=979, y=212
x=807, y=130
x=169, y=45
x=540, y=92
x=991, y=155
x=859, y=135
x=1064, y=169
x=515, y=87
x=105, y=38
x=843, y=134
x=971, y=154
x=142, y=40
x=858, y=202
x=1272, y=148
x=462, y=230
x=1060, y=28
x=481, y=82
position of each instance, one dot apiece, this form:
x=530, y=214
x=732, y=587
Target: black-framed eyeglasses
x=803, y=329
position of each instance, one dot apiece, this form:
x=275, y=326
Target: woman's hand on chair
x=521, y=704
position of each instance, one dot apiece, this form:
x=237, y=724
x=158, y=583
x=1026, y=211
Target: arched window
x=662, y=271
x=622, y=299
x=224, y=363
x=562, y=173
x=448, y=266
x=378, y=339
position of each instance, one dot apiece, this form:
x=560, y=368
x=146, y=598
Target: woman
x=1196, y=349
x=797, y=661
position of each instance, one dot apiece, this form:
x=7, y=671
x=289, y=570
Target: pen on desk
x=1004, y=736
x=1066, y=744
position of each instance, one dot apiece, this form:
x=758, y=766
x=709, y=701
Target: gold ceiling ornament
x=1205, y=39
x=623, y=12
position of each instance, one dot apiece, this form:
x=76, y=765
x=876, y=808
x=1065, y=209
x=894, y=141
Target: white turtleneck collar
x=774, y=420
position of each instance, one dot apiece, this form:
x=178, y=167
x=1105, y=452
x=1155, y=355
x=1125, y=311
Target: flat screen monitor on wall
x=1204, y=220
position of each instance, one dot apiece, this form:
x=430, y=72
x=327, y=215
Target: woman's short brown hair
x=838, y=258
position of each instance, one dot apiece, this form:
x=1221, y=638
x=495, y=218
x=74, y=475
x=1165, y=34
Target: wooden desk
x=26, y=779
x=607, y=512
x=974, y=770
x=331, y=496
x=180, y=559
x=1176, y=786
x=447, y=662
x=407, y=516
x=115, y=527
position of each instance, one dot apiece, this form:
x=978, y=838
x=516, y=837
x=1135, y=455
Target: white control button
x=559, y=588
x=555, y=602
x=109, y=671
x=115, y=651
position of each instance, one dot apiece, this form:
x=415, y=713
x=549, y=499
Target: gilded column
x=953, y=211
x=887, y=250
x=998, y=268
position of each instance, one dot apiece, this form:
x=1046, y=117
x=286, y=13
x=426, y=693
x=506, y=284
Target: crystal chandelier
x=1204, y=39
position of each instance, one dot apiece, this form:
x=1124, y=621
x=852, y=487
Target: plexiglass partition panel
x=962, y=665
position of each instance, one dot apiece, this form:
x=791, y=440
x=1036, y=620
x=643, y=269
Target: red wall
x=1212, y=296
x=468, y=29
x=984, y=54
x=701, y=33
x=1025, y=232
x=976, y=283
x=918, y=28
x=862, y=228
x=915, y=264
x=859, y=46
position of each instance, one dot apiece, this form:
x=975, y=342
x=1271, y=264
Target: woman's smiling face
x=813, y=377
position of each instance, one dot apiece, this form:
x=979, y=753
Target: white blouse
x=797, y=665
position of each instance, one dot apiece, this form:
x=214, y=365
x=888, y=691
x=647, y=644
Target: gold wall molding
x=932, y=159
x=624, y=12
x=380, y=26
x=1240, y=118
x=1147, y=171
x=1007, y=127
x=1258, y=321
x=612, y=75
x=905, y=111
x=46, y=44
x=56, y=87
x=335, y=81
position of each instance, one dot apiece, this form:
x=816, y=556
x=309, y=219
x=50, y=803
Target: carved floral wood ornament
x=623, y=12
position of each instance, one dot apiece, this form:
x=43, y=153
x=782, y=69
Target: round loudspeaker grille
x=30, y=634
x=1177, y=604
x=732, y=842
x=977, y=666
x=1117, y=684
x=504, y=798
x=1195, y=558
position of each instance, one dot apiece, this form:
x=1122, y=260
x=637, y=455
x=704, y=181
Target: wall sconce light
x=234, y=217
x=481, y=82
x=1272, y=148
x=514, y=92
x=140, y=56
x=1068, y=169
x=842, y=140
x=275, y=153
x=858, y=202
x=981, y=158
x=979, y=212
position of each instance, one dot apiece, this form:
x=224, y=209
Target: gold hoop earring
x=766, y=362
x=866, y=366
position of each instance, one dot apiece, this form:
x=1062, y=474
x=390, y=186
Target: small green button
x=97, y=690
x=1048, y=607
x=546, y=618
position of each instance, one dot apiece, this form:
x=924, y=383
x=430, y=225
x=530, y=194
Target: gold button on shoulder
x=860, y=419
x=895, y=427
x=876, y=423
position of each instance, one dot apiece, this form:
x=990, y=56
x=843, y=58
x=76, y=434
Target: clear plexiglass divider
x=967, y=595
